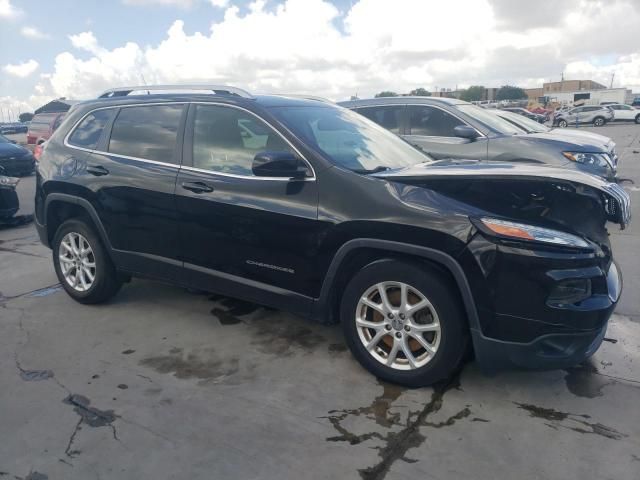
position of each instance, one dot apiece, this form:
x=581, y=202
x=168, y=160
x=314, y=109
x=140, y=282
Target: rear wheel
x=598, y=122
x=404, y=324
x=82, y=265
x=638, y=119
x=563, y=124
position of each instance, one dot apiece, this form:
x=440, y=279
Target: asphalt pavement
x=166, y=384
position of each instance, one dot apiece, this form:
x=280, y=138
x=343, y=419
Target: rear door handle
x=97, y=170
x=197, y=187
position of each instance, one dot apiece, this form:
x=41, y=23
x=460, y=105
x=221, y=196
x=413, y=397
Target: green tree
x=25, y=117
x=420, y=92
x=386, y=93
x=473, y=94
x=509, y=92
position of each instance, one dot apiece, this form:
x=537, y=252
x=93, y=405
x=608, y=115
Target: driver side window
x=226, y=139
x=431, y=122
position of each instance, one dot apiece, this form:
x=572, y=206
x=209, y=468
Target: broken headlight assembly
x=602, y=160
x=507, y=230
x=8, y=181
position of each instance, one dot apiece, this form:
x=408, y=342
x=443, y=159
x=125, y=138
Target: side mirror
x=279, y=164
x=465, y=131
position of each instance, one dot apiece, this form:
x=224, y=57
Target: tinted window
x=388, y=117
x=146, y=132
x=227, y=139
x=88, y=132
x=347, y=138
x=431, y=122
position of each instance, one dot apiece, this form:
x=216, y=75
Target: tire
x=599, y=122
x=106, y=281
x=638, y=119
x=448, y=335
x=563, y=123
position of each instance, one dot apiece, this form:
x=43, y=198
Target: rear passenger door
x=244, y=235
x=432, y=130
x=132, y=174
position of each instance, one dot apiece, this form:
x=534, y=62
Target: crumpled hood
x=617, y=201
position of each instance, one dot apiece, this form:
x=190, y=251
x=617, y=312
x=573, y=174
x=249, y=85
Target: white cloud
x=7, y=10
x=310, y=46
x=23, y=69
x=219, y=3
x=33, y=33
x=174, y=3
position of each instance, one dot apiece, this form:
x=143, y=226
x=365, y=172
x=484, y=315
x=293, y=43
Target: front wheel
x=82, y=265
x=638, y=119
x=563, y=124
x=404, y=324
x=598, y=122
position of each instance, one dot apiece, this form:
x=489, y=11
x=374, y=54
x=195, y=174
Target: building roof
x=57, y=105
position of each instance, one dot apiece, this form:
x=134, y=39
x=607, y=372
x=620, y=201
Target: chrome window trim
x=246, y=177
x=482, y=135
x=178, y=166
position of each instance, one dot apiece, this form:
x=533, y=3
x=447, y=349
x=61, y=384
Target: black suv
x=305, y=206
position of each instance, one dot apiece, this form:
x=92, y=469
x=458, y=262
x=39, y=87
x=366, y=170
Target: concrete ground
x=165, y=384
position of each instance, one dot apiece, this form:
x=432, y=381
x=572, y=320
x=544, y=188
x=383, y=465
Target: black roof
x=57, y=105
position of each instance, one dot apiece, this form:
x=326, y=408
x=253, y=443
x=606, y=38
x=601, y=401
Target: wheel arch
x=60, y=207
x=357, y=253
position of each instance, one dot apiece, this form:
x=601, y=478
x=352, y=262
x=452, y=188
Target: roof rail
x=307, y=97
x=216, y=89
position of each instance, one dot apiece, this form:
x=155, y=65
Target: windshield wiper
x=372, y=170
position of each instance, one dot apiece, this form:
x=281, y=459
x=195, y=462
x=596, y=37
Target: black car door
x=244, y=235
x=431, y=129
x=133, y=175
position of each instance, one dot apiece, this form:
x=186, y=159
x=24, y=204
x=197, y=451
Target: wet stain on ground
x=128, y=352
x=35, y=375
x=225, y=317
x=36, y=476
x=571, y=421
x=478, y=419
x=123, y=386
x=202, y=365
x=584, y=381
x=337, y=348
x=404, y=433
x=285, y=336
x=90, y=416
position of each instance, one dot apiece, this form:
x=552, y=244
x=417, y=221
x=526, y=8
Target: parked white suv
x=622, y=112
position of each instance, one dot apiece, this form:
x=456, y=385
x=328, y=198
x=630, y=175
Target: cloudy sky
x=334, y=48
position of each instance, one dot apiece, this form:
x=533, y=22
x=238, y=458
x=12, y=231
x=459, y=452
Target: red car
x=42, y=127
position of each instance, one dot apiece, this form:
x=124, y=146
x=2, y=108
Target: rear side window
x=432, y=122
x=387, y=117
x=148, y=132
x=88, y=132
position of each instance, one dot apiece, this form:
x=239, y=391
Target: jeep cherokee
x=303, y=205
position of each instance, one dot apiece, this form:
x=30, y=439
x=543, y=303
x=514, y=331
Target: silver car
x=595, y=114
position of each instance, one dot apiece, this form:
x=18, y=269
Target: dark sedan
x=15, y=159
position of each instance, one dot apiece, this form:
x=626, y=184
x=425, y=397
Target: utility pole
x=613, y=75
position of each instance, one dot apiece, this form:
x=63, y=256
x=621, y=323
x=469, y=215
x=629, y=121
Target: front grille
x=618, y=205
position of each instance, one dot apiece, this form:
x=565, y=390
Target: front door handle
x=97, y=170
x=197, y=187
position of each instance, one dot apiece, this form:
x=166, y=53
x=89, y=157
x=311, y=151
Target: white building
x=592, y=97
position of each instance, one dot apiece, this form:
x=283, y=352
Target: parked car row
x=14, y=159
x=304, y=205
x=450, y=128
x=15, y=127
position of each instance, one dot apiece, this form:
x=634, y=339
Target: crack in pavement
x=90, y=416
x=38, y=292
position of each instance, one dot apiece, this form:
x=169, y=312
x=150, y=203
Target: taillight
x=37, y=151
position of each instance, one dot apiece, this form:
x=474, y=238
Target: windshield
x=490, y=119
x=349, y=139
x=528, y=125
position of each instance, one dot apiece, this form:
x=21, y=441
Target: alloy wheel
x=398, y=325
x=77, y=262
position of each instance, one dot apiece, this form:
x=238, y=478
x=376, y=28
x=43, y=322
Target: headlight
x=522, y=231
x=596, y=159
x=8, y=181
